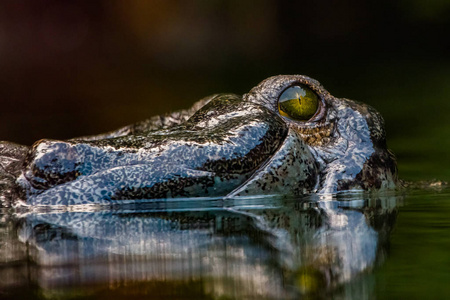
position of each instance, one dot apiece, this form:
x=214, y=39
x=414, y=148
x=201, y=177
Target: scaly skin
x=225, y=146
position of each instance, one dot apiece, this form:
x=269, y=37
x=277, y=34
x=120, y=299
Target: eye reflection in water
x=276, y=248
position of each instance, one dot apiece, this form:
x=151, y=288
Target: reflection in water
x=274, y=248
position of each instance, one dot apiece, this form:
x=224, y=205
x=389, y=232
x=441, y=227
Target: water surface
x=352, y=246
x=256, y=248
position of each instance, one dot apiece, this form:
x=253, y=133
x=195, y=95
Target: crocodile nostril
x=50, y=163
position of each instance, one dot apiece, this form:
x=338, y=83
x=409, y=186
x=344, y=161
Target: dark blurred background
x=71, y=68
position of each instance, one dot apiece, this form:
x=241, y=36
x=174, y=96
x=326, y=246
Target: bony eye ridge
x=298, y=103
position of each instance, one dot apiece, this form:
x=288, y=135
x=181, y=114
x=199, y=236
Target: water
x=418, y=263
x=354, y=246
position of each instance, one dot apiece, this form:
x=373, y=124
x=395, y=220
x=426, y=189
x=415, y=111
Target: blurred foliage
x=431, y=10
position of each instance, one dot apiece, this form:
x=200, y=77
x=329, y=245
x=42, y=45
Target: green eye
x=298, y=103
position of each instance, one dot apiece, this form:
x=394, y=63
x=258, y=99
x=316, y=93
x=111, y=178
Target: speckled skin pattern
x=224, y=145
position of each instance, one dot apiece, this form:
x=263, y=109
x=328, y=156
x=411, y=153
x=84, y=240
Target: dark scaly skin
x=348, y=142
x=231, y=146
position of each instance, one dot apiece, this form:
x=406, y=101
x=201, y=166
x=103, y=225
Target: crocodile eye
x=298, y=102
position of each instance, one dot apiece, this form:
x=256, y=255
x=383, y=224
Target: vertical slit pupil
x=298, y=102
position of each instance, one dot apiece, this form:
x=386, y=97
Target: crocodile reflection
x=267, y=247
x=288, y=135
